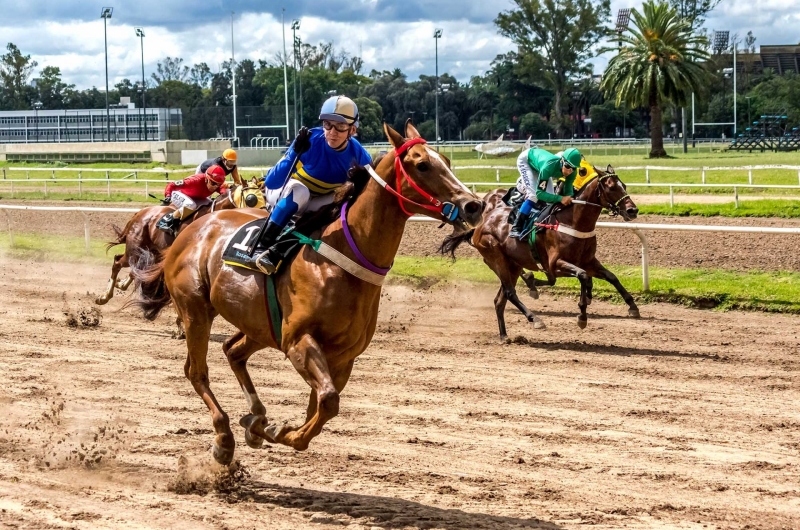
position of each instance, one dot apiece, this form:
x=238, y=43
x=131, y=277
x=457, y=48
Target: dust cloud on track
x=684, y=418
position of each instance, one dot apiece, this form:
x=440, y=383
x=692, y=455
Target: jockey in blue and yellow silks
x=313, y=167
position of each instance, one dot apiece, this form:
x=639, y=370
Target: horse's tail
x=120, y=236
x=152, y=294
x=452, y=242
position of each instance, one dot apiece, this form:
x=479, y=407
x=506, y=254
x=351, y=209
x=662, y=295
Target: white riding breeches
x=185, y=204
x=300, y=195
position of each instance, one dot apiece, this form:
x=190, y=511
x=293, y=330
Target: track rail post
x=645, y=260
x=10, y=231
x=86, y=233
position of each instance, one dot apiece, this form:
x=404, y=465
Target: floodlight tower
x=623, y=19
x=295, y=27
x=721, y=43
x=105, y=14
x=437, y=34
x=140, y=34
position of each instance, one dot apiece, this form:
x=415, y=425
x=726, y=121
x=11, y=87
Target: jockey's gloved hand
x=166, y=201
x=302, y=142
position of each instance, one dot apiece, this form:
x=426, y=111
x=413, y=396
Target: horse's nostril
x=473, y=207
x=633, y=211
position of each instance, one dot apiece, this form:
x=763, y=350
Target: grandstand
x=768, y=133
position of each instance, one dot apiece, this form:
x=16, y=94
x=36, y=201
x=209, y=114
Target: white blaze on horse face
x=434, y=155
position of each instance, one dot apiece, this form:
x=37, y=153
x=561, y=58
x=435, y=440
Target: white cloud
x=70, y=34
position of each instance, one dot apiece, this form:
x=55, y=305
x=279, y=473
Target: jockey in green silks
x=539, y=171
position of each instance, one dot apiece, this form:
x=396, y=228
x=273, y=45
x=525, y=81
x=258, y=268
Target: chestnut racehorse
x=141, y=234
x=568, y=251
x=329, y=315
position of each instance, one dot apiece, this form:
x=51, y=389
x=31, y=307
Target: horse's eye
x=422, y=166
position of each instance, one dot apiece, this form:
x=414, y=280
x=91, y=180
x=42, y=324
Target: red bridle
x=447, y=210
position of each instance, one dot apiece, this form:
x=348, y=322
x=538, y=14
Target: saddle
x=514, y=198
x=239, y=252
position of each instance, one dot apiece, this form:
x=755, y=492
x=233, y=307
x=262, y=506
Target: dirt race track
x=683, y=419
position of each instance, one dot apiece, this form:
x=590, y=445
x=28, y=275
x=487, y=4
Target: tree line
x=542, y=88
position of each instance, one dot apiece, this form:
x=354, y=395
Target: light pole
x=749, y=123
x=105, y=14
x=285, y=83
x=623, y=19
x=295, y=27
x=437, y=34
x=36, y=107
x=233, y=84
x=140, y=89
x=140, y=34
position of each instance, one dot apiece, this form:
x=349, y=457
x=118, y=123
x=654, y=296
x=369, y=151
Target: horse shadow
x=606, y=349
x=386, y=512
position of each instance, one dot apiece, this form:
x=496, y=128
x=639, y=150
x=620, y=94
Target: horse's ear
x=609, y=169
x=394, y=137
x=411, y=131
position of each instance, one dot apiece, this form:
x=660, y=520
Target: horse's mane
x=357, y=179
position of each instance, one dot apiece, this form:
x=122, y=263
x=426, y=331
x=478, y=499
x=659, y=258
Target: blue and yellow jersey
x=322, y=169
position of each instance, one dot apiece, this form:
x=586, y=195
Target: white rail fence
x=648, y=184
x=637, y=228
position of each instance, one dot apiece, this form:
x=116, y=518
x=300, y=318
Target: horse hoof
x=633, y=313
x=252, y=424
x=221, y=455
x=533, y=294
x=253, y=441
x=275, y=431
x=582, y=322
x=538, y=323
x=101, y=301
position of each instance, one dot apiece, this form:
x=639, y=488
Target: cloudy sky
x=387, y=34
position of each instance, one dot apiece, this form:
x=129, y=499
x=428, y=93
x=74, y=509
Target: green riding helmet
x=573, y=157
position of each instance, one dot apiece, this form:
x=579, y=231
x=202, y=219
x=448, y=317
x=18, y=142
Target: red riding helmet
x=216, y=174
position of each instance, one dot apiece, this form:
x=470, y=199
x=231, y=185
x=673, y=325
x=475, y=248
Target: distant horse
x=141, y=234
x=565, y=248
x=328, y=315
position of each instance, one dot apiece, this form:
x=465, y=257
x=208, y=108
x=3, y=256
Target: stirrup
x=265, y=269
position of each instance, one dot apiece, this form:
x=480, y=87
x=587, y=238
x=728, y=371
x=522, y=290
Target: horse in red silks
x=140, y=233
x=329, y=308
x=566, y=247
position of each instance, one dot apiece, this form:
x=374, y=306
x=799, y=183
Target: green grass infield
x=777, y=292
x=702, y=288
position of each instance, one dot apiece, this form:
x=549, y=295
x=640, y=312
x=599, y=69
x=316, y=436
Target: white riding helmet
x=341, y=109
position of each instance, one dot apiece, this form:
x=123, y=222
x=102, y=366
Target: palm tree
x=659, y=62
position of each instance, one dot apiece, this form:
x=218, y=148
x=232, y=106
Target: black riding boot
x=519, y=224
x=169, y=224
x=268, y=238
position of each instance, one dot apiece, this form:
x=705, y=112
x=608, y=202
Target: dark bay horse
x=140, y=234
x=328, y=315
x=568, y=251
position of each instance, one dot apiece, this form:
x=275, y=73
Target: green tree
x=558, y=38
x=52, y=91
x=532, y=124
x=371, y=118
x=659, y=62
x=694, y=11
x=15, y=71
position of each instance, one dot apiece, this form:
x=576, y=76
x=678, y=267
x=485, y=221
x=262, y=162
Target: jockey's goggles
x=340, y=127
x=213, y=183
x=567, y=164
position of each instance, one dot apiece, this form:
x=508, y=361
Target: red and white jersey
x=194, y=187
